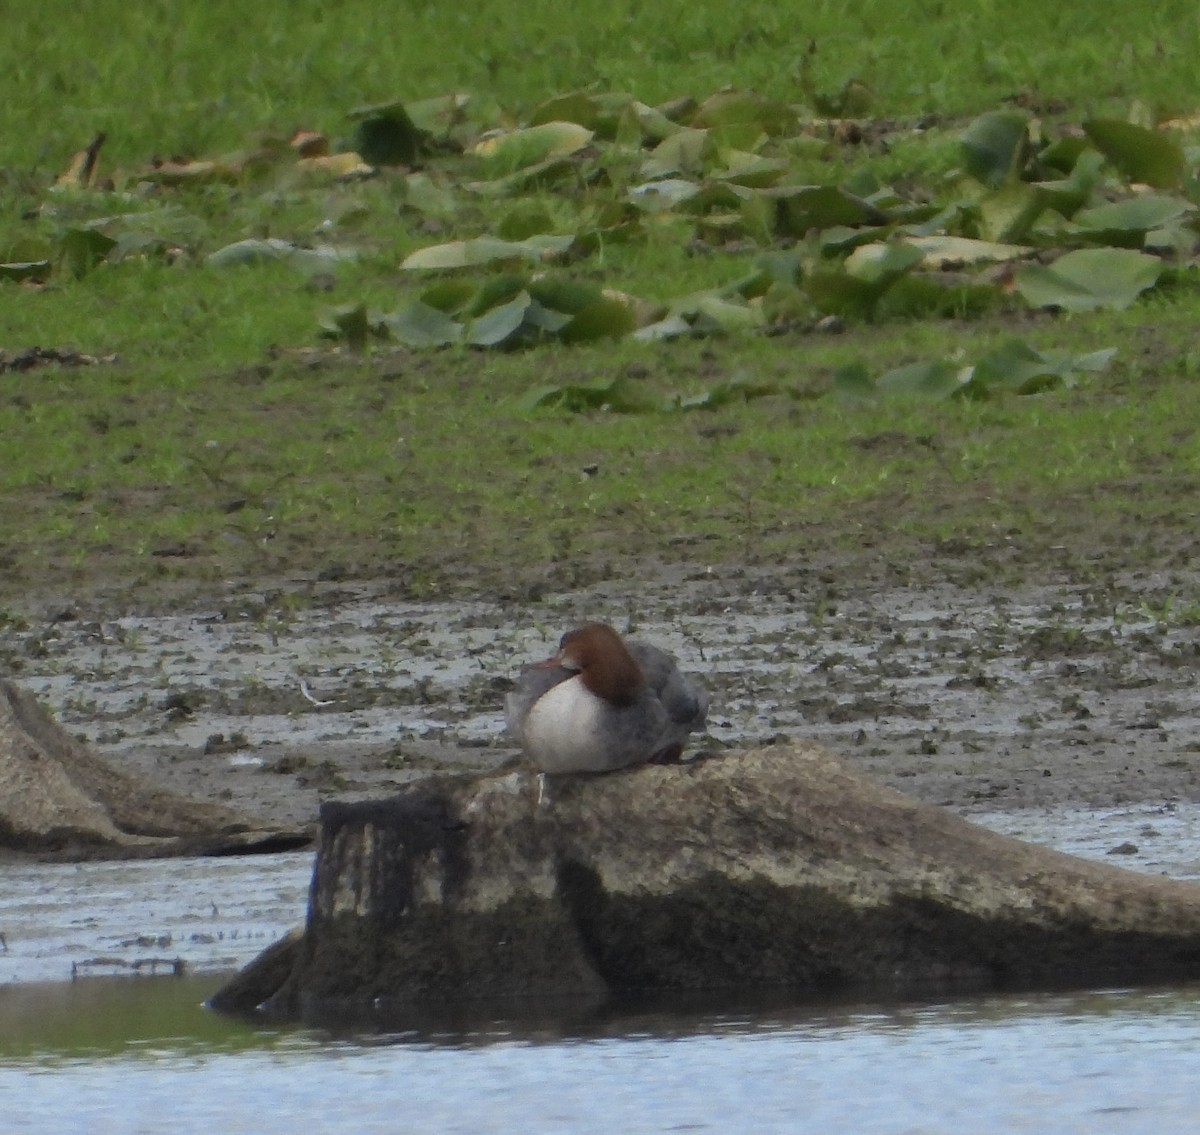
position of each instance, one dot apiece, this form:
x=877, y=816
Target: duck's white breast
x=570, y=729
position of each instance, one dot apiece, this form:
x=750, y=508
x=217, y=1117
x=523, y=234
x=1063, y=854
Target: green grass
x=164, y=77
x=228, y=441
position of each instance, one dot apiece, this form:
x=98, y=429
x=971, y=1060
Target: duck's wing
x=684, y=699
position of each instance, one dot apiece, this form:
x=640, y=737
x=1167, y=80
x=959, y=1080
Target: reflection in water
x=1111, y=1061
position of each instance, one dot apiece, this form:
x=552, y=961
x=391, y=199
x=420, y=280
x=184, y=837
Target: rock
x=778, y=867
x=59, y=799
x=261, y=979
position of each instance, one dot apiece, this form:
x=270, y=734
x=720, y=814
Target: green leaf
x=883, y=263
x=450, y=296
x=1009, y=212
x=672, y=326
x=995, y=147
x=852, y=383
x=25, y=270
x=561, y=294
x=501, y=324
x=251, y=252
x=83, y=249
x=486, y=250
x=804, y=207
x=934, y=381
x=351, y=323
x=1126, y=223
x=1089, y=279
x=736, y=390
x=714, y=314
x=518, y=149
x=942, y=252
x=1018, y=368
x=1139, y=153
x=621, y=396
x=422, y=325
x=688, y=152
x=743, y=119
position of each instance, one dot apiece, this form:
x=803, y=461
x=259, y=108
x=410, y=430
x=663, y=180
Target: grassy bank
x=219, y=435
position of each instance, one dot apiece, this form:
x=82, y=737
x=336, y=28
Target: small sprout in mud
x=394, y=758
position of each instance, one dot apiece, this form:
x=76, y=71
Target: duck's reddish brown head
x=603, y=662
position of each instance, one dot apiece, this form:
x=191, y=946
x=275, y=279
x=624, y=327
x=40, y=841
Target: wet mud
x=982, y=691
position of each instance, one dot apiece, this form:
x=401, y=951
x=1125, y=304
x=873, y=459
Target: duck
x=602, y=703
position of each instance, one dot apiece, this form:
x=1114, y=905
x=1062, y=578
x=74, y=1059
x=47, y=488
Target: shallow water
x=1108, y=1061
x=129, y=1054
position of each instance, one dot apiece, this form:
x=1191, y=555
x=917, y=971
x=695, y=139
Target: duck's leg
x=668, y=755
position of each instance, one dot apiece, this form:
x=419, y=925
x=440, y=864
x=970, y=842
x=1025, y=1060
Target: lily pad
x=487, y=250
x=952, y=251
x=1089, y=279
x=995, y=146
x=621, y=395
x=518, y=149
x=83, y=249
x=249, y=252
x=1018, y=368
x=1139, y=153
x=500, y=324
x=805, y=207
x=422, y=325
x=1126, y=223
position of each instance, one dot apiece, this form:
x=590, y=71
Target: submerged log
x=59, y=799
x=772, y=868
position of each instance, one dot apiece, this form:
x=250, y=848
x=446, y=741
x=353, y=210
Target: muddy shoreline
x=966, y=680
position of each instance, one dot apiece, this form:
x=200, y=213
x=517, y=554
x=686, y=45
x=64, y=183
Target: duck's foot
x=669, y=756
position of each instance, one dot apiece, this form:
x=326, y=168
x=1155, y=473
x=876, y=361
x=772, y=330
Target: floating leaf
x=953, y=251
x=620, y=396
x=249, y=252
x=1139, y=153
x=422, y=325
x=743, y=119
x=517, y=149
x=805, y=207
x=932, y=380
x=609, y=317
x=853, y=383
x=672, y=326
x=750, y=170
x=500, y=324
x=712, y=313
x=1014, y=368
x=1009, y=212
x=881, y=263
x=487, y=250
x=1126, y=223
x=666, y=193
x=995, y=146
x=438, y=115
x=350, y=323
x=345, y=165
x=1018, y=368
x=1089, y=279
x=735, y=391
x=84, y=248
x=25, y=270
x=686, y=152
